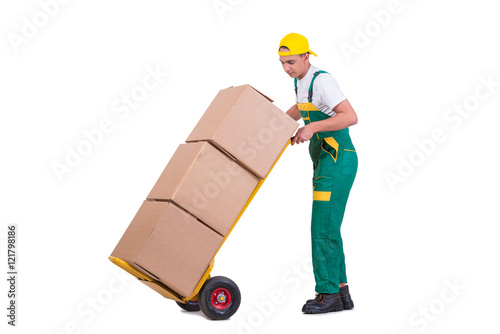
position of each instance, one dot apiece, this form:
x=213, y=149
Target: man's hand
x=303, y=134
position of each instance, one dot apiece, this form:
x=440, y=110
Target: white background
x=405, y=245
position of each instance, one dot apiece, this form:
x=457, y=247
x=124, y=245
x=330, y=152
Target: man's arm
x=345, y=117
x=294, y=112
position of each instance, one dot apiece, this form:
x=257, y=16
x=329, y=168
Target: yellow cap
x=296, y=43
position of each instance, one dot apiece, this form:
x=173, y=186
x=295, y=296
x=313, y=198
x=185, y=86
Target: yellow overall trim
x=333, y=143
x=308, y=106
x=308, y=118
x=345, y=149
x=329, y=153
x=322, y=196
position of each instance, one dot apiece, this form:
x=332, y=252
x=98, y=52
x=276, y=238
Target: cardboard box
x=205, y=182
x=158, y=288
x=168, y=244
x=244, y=123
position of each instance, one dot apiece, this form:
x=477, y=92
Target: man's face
x=295, y=65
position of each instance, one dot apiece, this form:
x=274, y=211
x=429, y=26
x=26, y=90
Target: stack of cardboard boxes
x=204, y=187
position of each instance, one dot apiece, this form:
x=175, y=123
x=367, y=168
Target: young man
x=327, y=115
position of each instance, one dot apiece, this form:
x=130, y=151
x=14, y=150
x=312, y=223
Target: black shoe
x=346, y=298
x=324, y=303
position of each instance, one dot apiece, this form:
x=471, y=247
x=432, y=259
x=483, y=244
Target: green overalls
x=335, y=163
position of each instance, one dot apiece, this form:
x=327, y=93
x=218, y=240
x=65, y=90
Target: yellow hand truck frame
x=219, y=301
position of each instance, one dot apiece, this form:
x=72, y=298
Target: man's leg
x=332, y=184
x=325, y=237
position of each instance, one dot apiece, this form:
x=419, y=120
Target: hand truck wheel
x=219, y=298
x=190, y=306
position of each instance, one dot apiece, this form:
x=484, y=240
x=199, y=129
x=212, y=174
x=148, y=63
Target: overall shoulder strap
x=295, y=82
x=315, y=75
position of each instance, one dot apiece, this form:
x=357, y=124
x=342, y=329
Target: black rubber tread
x=204, y=298
x=190, y=306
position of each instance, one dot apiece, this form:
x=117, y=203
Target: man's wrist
x=313, y=126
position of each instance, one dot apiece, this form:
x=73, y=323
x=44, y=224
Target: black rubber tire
x=190, y=306
x=205, y=298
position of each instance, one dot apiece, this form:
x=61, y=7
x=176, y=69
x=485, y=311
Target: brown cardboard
x=168, y=244
x=244, y=123
x=158, y=288
x=205, y=182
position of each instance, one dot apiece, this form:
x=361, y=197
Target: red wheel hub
x=221, y=298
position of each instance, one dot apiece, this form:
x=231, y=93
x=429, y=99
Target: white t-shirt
x=326, y=91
